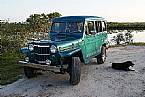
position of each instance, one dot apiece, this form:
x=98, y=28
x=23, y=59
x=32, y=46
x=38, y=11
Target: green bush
x=9, y=67
x=10, y=55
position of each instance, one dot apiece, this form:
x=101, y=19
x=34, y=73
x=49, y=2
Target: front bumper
x=39, y=66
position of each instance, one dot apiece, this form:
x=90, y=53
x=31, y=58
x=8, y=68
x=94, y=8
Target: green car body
x=73, y=38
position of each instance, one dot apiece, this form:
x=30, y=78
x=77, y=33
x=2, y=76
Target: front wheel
x=102, y=56
x=75, y=71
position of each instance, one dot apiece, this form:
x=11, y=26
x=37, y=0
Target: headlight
x=53, y=49
x=31, y=47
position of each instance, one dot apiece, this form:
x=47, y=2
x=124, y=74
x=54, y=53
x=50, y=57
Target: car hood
x=57, y=43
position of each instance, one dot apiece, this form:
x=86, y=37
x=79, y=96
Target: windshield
x=67, y=29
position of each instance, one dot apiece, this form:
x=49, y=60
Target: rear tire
x=102, y=56
x=29, y=72
x=75, y=71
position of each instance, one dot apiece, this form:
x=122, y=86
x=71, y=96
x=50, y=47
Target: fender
x=69, y=53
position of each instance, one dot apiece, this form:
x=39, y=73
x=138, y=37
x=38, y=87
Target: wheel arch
x=74, y=53
x=78, y=54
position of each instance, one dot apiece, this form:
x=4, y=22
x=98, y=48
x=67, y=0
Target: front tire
x=29, y=72
x=75, y=71
x=102, y=56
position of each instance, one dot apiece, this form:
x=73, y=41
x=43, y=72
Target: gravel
x=96, y=80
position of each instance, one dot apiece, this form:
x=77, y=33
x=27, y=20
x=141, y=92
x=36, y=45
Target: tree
x=118, y=38
x=41, y=22
x=53, y=15
x=128, y=37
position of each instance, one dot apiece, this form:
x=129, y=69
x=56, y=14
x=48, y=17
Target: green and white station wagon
x=73, y=39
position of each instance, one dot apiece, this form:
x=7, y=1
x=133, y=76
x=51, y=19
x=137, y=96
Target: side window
x=98, y=25
x=90, y=27
x=104, y=28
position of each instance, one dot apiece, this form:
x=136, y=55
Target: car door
x=98, y=35
x=90, y=38
x=101, y=35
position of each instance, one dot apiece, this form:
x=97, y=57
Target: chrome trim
x=41, y=46
x=23, y=62
x=41, y=61
x=42, y=54
x=39, y=66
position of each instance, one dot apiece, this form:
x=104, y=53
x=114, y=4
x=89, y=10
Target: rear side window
x=98, y=25
x=104, y=27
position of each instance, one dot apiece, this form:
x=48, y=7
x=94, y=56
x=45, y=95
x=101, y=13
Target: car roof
x=77, y=18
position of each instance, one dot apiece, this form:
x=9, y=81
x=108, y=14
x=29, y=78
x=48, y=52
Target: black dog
x=123, y=66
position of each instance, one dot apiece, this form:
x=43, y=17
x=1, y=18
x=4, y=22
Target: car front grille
x=41, y=54
x=41, y=50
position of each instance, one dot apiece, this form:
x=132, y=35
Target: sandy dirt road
x=96, y=80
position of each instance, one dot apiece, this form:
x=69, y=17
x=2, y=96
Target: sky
x=112, y=10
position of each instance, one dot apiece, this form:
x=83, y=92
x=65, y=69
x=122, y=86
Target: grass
x=10, y=70
x=138, y=44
